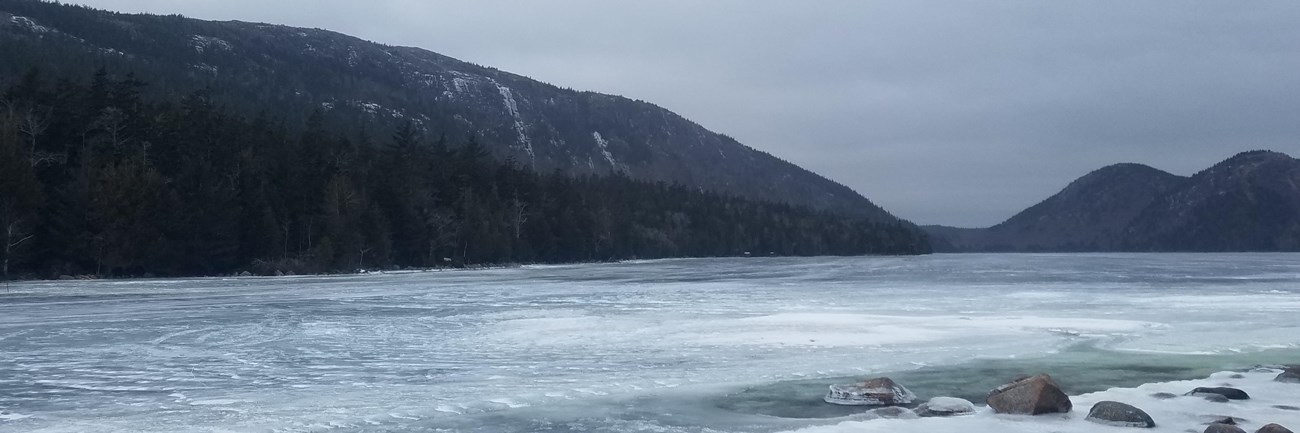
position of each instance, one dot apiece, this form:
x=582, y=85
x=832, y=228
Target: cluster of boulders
x=883, y=391
x=1038, y=395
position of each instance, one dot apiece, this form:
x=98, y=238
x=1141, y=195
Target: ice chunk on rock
x=1290, y=375
x=946, y=406
x=880, y=391
x=1114, y=413
x=1034, y=395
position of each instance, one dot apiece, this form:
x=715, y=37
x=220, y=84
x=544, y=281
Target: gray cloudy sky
x=958, y=113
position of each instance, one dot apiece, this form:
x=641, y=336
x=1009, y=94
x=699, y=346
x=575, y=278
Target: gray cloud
x=958, y=113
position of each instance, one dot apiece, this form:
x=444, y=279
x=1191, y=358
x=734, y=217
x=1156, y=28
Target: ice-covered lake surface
x=707, y=345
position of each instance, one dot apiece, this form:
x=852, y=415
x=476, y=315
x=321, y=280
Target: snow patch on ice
x=511, y=403
x=215, y=402
x=801, y=329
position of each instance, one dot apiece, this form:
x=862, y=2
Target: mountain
x=261, y=68
x=1250, y=202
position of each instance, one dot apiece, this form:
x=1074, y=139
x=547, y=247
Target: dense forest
x=288, y=71
x=97, y=179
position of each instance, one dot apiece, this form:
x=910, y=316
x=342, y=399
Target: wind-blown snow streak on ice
x=639, y=346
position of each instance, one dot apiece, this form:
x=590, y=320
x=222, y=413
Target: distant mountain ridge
x=279, y=69
x=1250, y=202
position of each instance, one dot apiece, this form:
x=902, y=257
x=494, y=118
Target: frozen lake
x=717, y=345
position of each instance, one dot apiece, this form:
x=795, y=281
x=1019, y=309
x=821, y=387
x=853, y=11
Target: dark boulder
x=1114, y=413
x=1289, y=375
x=1230, y=393
x=1273, y=428
x=945, y=406
x=1221, y=419
x=1215, y=398
x=1030, y=396
x=1223, y=428
x=1164, y=395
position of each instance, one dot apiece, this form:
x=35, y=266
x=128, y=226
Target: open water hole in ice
x=674, y=345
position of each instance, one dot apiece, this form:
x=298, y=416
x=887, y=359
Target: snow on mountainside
x=280, y=69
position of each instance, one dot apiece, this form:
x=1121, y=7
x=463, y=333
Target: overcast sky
x=952, y=113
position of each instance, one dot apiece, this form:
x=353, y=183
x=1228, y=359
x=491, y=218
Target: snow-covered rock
x=946, y=406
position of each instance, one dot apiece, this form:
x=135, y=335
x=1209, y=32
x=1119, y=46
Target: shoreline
x=479, y=267
x=1173, y=411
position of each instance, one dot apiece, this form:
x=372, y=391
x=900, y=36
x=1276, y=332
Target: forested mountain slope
x=279, y=69
x=134, y=145
x=1250, y=202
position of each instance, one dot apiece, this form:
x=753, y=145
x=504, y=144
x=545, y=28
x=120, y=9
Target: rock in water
x=1163, y=396
x=946, y=406
x=245, y=274
x=881, y=391
x=1230, y=393
x=893, y=412
x=1222, y=419
x=1223, y=428
x=1290, y=375
x=1273, y=428
x=1114, y=413
x=1030, y=396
